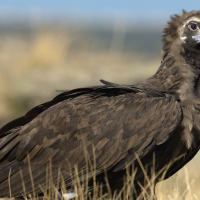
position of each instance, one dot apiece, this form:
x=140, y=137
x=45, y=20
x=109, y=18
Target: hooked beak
x=197, y=38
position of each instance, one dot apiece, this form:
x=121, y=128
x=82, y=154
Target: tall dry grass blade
x=114, y=194
x=103, y=196
x=31, y=176
x=57, y=194
x=95, y=192
x=58, y=182
x=144, y=191
x=144, y=172
x=63, y=188
x=128, y=177
x=23, y=185
x=124, y=186
x=88, y=165
x=42, y=189
x=78, y=184
x=101, y=190
x=51, y=185
x=107, y=184
x=153, y=175
x=47, y=179
x=9, y=183
x=142, y=167
x=134, y=171
x=130, y=172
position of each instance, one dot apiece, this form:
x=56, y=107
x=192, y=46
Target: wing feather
x=115, y=127
x=127, y=126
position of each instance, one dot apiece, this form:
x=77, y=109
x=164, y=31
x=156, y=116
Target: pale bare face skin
x=190, y=31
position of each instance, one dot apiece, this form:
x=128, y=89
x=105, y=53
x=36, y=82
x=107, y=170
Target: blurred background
x=51, y=45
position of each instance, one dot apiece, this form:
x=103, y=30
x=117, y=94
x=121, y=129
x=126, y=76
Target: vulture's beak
x=197, y=38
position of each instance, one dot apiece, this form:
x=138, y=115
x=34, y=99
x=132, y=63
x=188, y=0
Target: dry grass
x=31, y=69
x=183, y=187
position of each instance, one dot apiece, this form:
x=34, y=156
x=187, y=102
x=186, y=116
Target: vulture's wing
x=127, y=120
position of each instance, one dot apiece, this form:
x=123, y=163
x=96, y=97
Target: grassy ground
x=32, y=67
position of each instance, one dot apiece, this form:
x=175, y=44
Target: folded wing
x=113, y=122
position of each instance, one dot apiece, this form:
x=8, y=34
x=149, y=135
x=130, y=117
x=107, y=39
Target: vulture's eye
x=193, y=27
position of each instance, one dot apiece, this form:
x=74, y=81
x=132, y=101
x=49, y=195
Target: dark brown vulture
x=158, y=117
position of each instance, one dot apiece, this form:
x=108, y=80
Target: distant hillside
x=97, y=37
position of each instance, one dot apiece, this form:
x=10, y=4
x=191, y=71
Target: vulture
x=154, y=124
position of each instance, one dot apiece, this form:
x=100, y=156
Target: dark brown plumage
x=160, y=115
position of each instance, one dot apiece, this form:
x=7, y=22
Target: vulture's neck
x=179, y=72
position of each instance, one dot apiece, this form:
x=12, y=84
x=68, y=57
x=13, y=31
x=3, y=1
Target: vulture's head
x=183, y=30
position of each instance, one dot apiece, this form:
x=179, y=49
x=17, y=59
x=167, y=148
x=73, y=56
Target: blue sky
x=95, y=10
